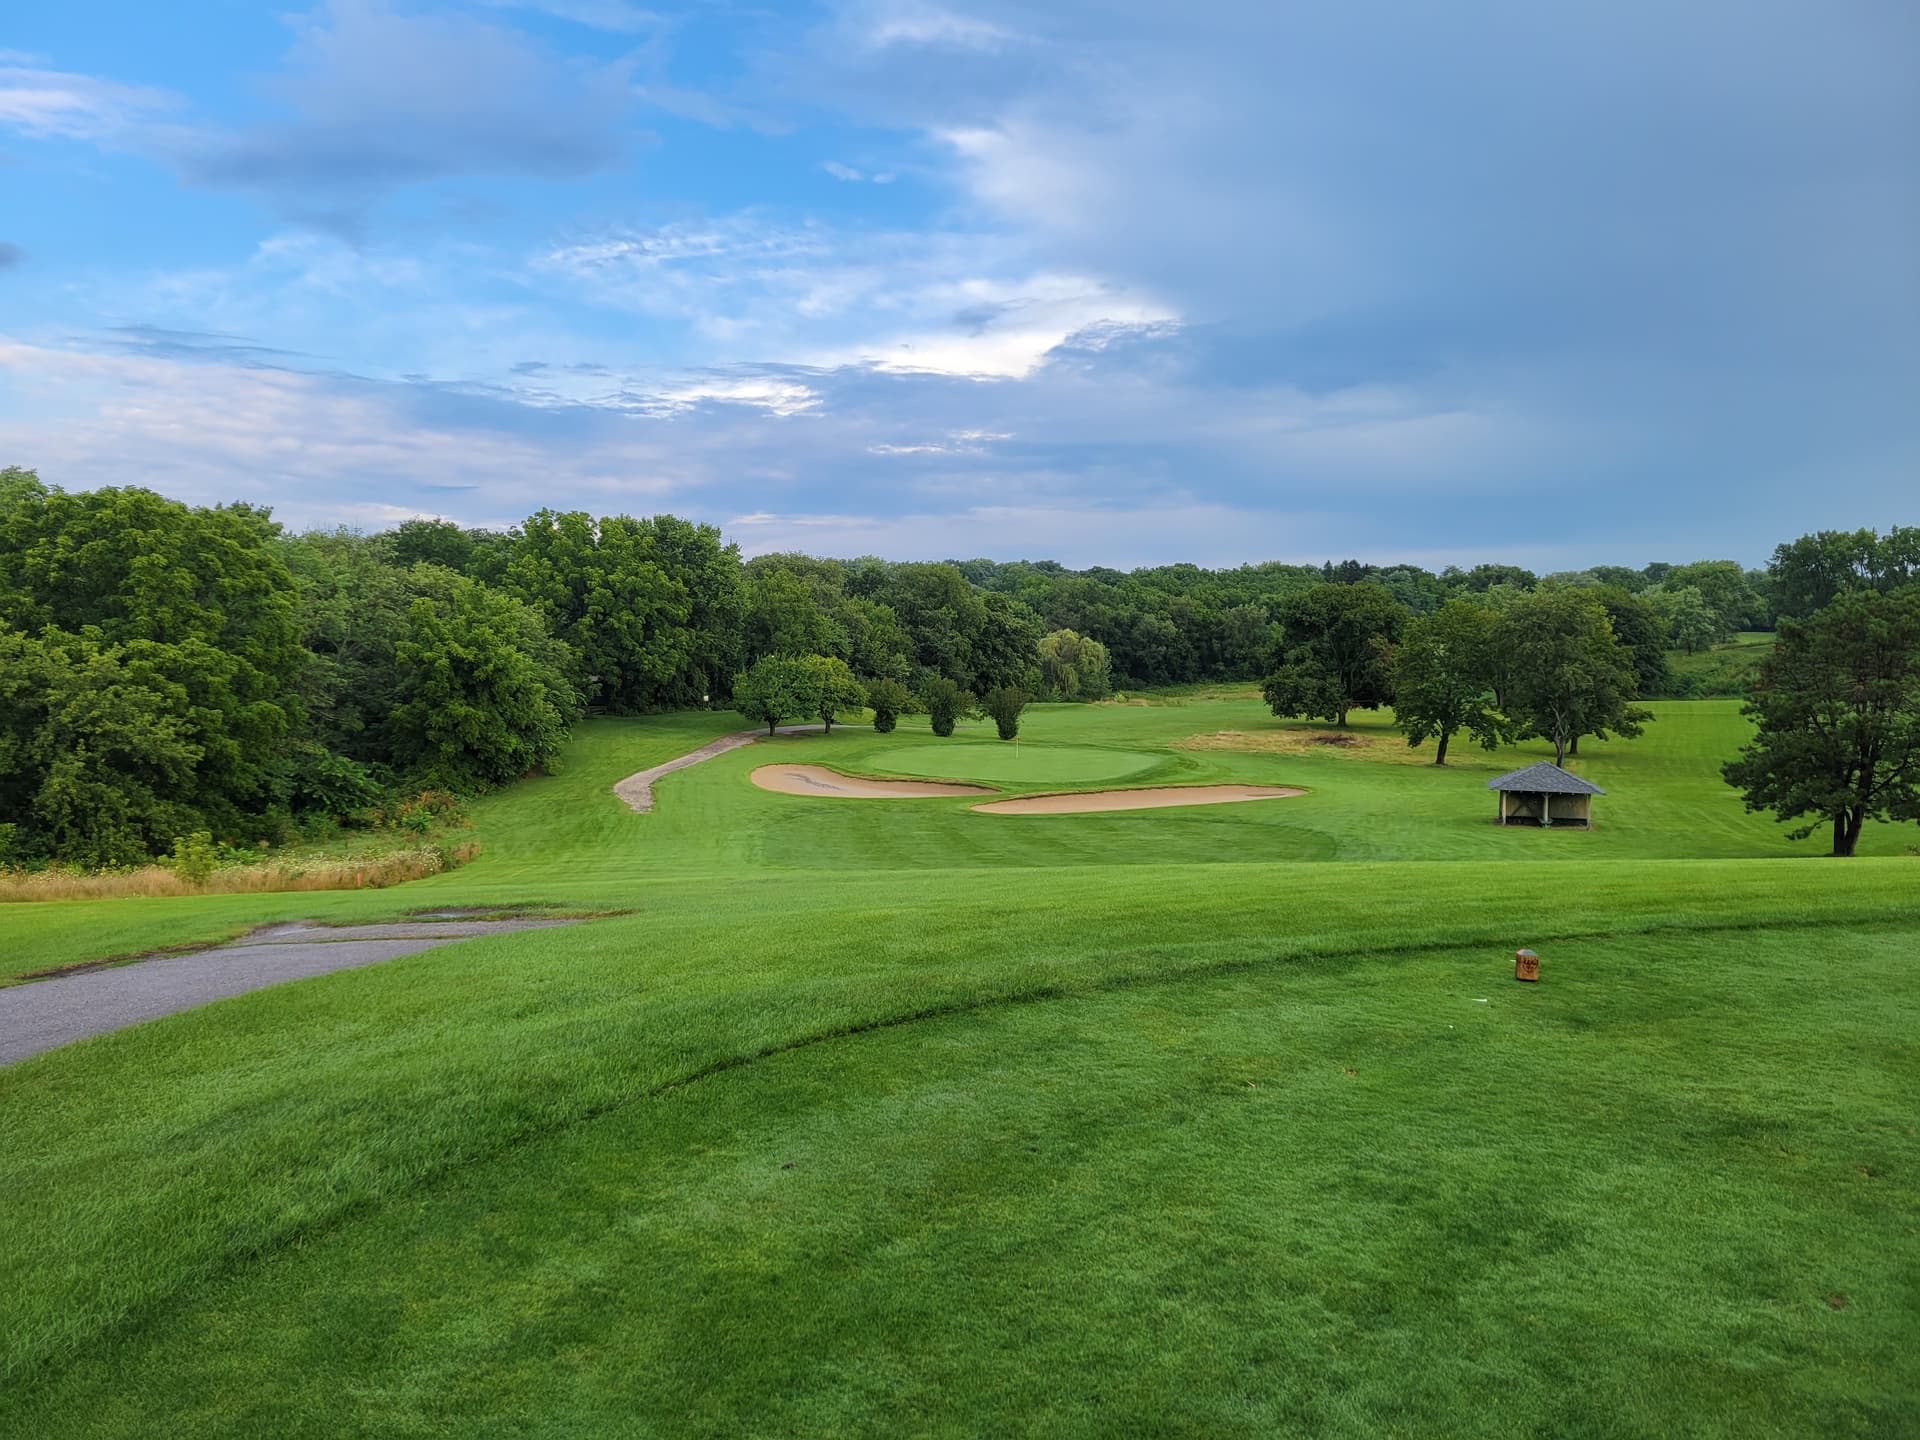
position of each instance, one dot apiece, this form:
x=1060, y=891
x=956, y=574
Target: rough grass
x=890, y=1118
x=1726, y=669
x=373, y=871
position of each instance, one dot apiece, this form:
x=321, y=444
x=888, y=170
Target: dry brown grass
x=1314, y=740
x=371, y=872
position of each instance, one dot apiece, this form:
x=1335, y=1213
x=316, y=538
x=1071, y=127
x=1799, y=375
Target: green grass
x=1096, y=1124
x=1725, y=669
x=979, y=757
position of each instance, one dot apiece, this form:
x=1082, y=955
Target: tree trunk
x=771, y=726
x=827, y=721
x=1343, y=717
x=1846, y=830
x=1559, y=750
x=1574, y=748
x=1440, y=757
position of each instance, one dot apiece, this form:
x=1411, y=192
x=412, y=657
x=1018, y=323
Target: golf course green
x=1028, y=764
x=892, y=1118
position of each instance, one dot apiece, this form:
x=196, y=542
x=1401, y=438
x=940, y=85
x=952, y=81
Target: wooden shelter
x=1545, y=795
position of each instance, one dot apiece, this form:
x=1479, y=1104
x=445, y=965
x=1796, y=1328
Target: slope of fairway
x=565, y=840
x=1348, y=1193
x=1098, y=1124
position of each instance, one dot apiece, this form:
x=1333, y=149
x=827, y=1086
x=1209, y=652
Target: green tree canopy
x=839, y=689
x=97, y=765
x=1641, y=627
x=946, y=702
x=482, y=692
x=777, y=689
x=889, y=700
x=1562, y=673
x=1335, y=652
x=1725, y=588
x=196, y=602
x=1692, y=624
x=1072, y=667
x=1811, y=572
x=1443, y=673
x=1004, y=704
x=1837, y=717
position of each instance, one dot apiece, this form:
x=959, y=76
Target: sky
x=1113, y=282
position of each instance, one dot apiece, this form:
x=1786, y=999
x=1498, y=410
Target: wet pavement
x=43, y=1014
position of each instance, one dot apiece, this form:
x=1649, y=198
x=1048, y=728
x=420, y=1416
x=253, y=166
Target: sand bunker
x=1093, y=801
x=818, y=780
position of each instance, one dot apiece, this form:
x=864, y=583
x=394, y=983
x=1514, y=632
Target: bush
x=194, y=857
x=946, y=703
x=889, y=700
x=1004, y=703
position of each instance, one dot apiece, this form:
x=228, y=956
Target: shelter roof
x=1545, y=778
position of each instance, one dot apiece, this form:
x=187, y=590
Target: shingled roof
x=1545, y=778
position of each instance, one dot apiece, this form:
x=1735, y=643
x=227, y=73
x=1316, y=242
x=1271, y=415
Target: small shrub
x=889, y=700
x=1004, y=703
x=194, y=857
x=946, y=702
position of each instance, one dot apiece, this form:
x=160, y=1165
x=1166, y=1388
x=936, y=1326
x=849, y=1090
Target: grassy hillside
x=563, y=840
x=876, y=1117
x=1726, y=669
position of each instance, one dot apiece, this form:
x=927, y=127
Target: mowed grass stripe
x=566, y=840
x=1343, y=1199
x=235, y=1129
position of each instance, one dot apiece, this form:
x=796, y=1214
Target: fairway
x=870, y=1119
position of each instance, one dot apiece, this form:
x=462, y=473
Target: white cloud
x=51, y=104
x=890, y=23
x=763, y=291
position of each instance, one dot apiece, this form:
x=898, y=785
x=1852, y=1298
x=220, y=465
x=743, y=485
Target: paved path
x=45, y=1013
x=637, y=788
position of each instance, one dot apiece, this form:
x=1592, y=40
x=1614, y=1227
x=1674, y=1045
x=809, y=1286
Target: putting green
x=1015, y=762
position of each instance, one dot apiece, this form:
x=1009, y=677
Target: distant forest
x=167, y=668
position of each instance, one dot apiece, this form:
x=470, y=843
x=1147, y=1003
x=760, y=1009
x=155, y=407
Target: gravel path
x=47, y=1013
x=637, y=788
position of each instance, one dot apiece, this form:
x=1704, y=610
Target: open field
x=1724, y=669
x=895, y=1118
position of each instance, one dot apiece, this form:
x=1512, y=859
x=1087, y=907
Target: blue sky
x=1119, y=282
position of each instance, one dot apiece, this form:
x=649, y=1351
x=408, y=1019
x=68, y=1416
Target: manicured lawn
x=978, y=757
x=1096, y=1124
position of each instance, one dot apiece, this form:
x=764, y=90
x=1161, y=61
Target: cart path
x=637, y=788
x=49, y=1013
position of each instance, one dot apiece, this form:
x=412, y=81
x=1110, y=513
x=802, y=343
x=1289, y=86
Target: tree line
x=167, y=669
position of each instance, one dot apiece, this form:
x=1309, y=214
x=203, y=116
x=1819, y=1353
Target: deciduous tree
x=1837, y=716
x=482, y=691
x=1565, y=675
x=1443, y=678
x=1809, y=573
x=778, y=688
x=1072, y=667
x=1335, y=652
x=839, y=689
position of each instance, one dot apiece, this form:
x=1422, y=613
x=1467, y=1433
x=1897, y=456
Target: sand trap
x=1093, y=801
x=818, y=780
